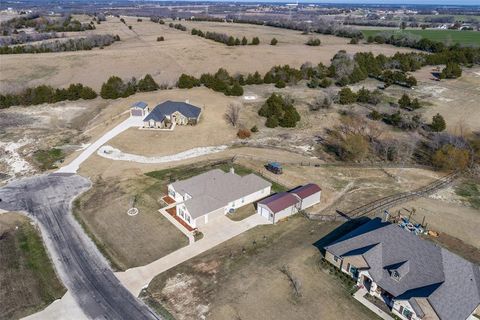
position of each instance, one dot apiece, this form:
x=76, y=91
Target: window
x=335, y=258
x=407, y=313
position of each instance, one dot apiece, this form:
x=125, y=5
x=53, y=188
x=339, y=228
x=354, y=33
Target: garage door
x=264, y=213
x=136, y=113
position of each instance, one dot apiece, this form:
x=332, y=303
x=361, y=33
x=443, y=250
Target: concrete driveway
x=73, y=166
x=215, y=232
x=82, y=268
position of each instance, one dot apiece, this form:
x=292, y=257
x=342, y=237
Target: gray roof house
x=415, y=277
x=174, y=112
x=215, y=193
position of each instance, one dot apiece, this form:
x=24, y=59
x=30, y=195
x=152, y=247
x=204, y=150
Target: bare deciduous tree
x=232, y=115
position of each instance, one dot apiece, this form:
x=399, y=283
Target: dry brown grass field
x=139, y=53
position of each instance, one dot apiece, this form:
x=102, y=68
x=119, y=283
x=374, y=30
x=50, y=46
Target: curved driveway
x=83, y=270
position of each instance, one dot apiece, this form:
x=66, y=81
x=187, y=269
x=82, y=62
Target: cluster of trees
x=347, y=96
x=451, y=71
x=224, y=38
x=44, y=24
x=221, y=81
x=115, y=87
x=405, y=102
x=47, y=94
x=177, y=26
x=23, y=37
x=74, y=44
x=279, y=111
x=314, y=42
x=157, y=20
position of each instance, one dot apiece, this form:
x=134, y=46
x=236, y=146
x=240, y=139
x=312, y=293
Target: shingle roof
x=450, y=283
x=306, y=190
x=279, y=201
x=215, y=189
x=140, y=104
x=168, y=107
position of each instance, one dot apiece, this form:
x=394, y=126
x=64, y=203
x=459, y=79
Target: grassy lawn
x=47, y=159
x=462, y=37
x=128, y=241
x=185, y=172
x=471, y=192
x=243, y=279
x=242, y=212
x=27, y=277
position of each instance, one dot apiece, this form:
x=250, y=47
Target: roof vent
x=232, y=171
x=187, y=101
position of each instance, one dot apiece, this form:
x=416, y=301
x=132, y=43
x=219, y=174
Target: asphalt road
x=81, y=266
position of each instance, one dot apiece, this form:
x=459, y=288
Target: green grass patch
x=37, y=261
x=471, y=192
x=453, y=36
x=185, y=172
x=47, y=159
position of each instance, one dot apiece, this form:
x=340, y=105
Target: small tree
x=451, y=71
x=271, y=122
x=255, y=41
x=315, y=42
x=254, y=129
x=160, y=38
x=346, y=96
x=404, y=102
x=147, y=84
x=438, y=123
x=244, y=133
x=273, y=42
x=244, y=41
x=450, y=157
x=280, y=84
x=232, y=115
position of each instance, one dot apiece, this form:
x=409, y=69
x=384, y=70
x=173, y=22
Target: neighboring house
x=215, y=193
x=284, y=204
x=416, y=278
x=139, y=109
x=164, y=115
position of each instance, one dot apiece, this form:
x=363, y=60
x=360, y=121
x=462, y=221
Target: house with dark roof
x=139, y=109
x=416, y=278
x=168, y=114
x=284, y=204
x=215, y=193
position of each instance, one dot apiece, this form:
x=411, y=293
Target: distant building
x=171, y=113
x=139, y=109
x=414, y=277
x=215, y=193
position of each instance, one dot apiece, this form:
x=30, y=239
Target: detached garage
x=308, y=194
x=284, y=204
x=139, y=109
x=278, y=206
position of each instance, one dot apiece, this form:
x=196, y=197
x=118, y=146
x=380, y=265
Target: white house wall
x=248, y=199
x=264, y=212
x=310, y=201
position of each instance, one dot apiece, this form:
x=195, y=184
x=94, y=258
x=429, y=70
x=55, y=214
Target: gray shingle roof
x=450, y=283
x=140, y=104
x=168, y=107
x=214, y=189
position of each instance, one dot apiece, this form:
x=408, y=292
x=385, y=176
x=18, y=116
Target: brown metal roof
x=306, y=190
x=279, y=201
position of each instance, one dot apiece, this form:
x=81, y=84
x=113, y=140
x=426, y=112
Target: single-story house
x=139, y=109
x=284, y=204
x=168, y=113
x=215, y=193
x=415, y=278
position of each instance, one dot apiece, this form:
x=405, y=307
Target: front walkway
x=360, y=296
x=176, y=223
x=215, y=232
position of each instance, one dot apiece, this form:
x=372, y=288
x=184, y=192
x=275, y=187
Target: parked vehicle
x=274, y=167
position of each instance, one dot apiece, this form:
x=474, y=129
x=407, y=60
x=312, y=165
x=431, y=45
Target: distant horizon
x=356, y=2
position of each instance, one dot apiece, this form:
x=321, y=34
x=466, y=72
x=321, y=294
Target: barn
x=139, y=109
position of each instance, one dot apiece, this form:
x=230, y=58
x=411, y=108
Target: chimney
x=187, y=101
x=232, y=171
x=386, y=214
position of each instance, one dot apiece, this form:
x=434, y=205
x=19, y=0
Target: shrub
x=354, y=41
x=346, y=96
x=244, y=41
x=272, y=122
x=279, y=111
x=438, y=123
x=280, y=84
x=273, y=42
x=244, y=133
x=161, y=38
x=147, y=84
x=315, y=42
x=187, y=82
x=325, y=83
x=450, y=157
x=375, y=115
x=451, y=71
x=254, y=129
x=255, y=41
x=115, y=88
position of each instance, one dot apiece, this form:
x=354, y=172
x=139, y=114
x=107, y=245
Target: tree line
x=177, y=26
x=224, y=38
x=221, y=81
x=47, y=94
x=74, y=44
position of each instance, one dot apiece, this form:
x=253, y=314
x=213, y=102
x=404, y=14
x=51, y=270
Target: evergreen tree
x=404, y=102
x=147, y=84
x=346, y=96
x=273, y=42
x=438, y=123
x=271, y=122
x=244, y=41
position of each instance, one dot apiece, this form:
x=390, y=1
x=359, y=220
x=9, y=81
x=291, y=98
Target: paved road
x=82, y=268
